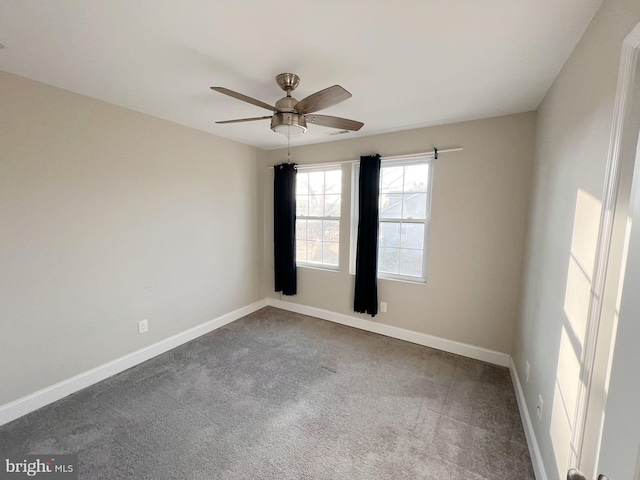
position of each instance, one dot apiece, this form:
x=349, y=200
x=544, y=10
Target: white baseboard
x=451, y=346
x=12, y=410
x=534, y=449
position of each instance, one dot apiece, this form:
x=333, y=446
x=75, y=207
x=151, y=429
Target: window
x=318, y=203
x=405, y=197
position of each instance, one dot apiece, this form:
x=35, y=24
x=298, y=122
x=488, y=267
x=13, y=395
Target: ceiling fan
x=290, y=116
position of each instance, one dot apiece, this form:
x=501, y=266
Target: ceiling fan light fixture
x=289, y=124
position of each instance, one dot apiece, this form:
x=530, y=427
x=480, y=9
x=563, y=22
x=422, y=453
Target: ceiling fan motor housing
x=286, y=104
x=281, y=120
x=286, y=116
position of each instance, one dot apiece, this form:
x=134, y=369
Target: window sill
x=317, y=267
x=416, y=281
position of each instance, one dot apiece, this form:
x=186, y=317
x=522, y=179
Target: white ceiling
x=408, y=63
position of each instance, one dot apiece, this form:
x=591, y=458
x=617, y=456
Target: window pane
x=301, y=251
x=415, y=178
x=412, y=235
x=314, y=252
x=316, y=182
x=404, y=194
x=332, y=206
x=319, y=205
x=302, y=205
x=331, y=231
x=391, y=205
x=302, y=183
x=415, y=205
x=314, y=230
x=389, y=234
x=391, y=179
x=330, y=253
x=333, y=181
x=301, y=229
x=410, y=263
x=316, y=205
x=388, y=260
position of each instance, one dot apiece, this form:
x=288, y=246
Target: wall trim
x=451, y=346
x=17, y=408
x=532, y=442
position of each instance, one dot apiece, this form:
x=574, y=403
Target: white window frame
x=397, y=161
x=322, y=168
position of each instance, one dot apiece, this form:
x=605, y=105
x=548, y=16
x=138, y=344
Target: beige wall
x=108, y=217
x=573, y=132
x=479, y=205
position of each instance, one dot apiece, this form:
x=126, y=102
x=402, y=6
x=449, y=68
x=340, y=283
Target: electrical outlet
x=143, y=326
x=539, y=408
x=527, y=370
x=383, y=307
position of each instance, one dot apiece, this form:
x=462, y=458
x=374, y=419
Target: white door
x=620, y=448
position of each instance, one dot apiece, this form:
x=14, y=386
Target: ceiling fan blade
x=322, y=99
x=335, y=122
x=244, y=98
x=245, y=119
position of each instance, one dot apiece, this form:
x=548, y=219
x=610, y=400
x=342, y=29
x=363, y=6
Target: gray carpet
x=277, y=395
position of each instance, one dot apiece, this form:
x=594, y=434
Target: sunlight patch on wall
x=568, y=375
x=576, y=306
x=560, y=432
x=586, y=224
x=578, y=294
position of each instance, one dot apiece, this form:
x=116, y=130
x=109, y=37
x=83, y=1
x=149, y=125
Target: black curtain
x=284, y=228
x=366, y=295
